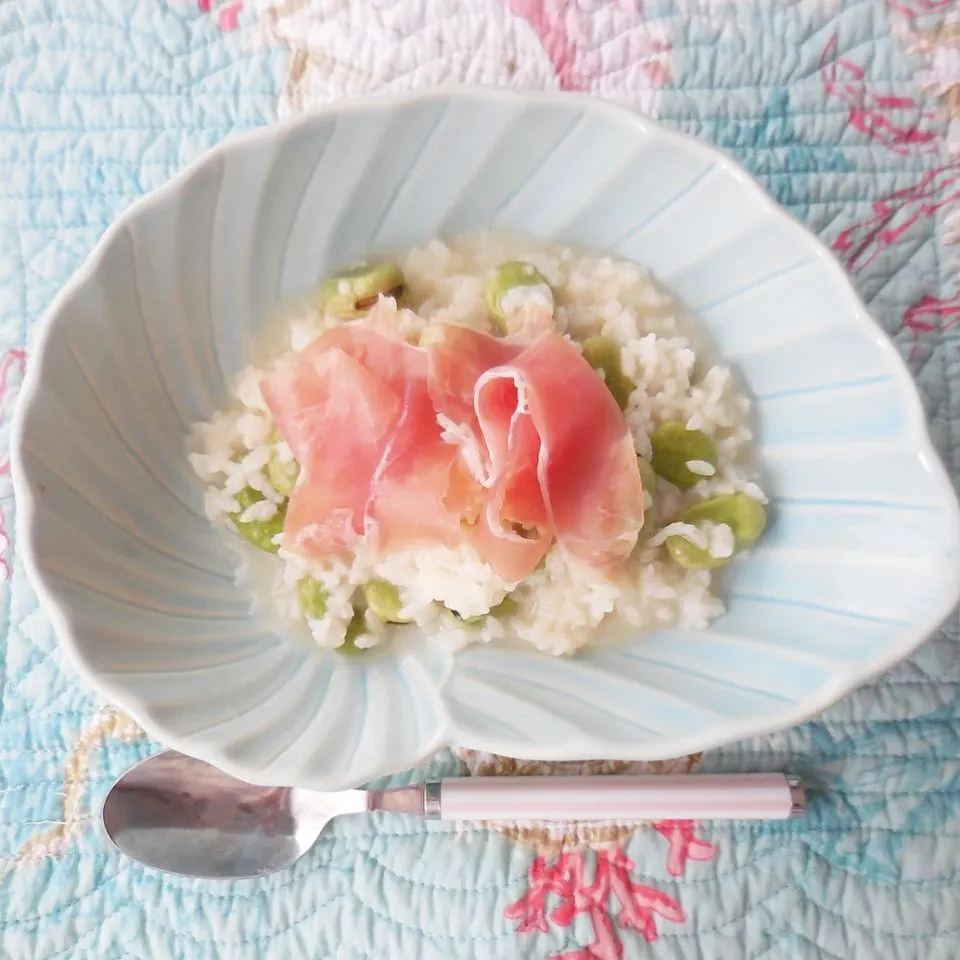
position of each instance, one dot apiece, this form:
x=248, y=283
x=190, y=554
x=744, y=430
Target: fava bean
x=260, y=533
x=282, y=474
x=742, y=514
x=603, y=353
x=313, y=598
x=648, y=477
x=507, y=607
x=675, y=448
x=648, y=481
x=354, y=291
x=691, y=557
x=506, y=295
x=355, y=628
x=383, y=599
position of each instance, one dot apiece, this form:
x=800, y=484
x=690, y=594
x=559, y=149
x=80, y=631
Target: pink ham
x=419, y=492
x=350, y=373
x=512, y=557
x=508, y=444
x=355, y=410
x=585, y=464
x=459, y=356
x=323, y=395
x=560, y=463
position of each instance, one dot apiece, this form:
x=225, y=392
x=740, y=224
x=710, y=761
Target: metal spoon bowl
x=179, y=814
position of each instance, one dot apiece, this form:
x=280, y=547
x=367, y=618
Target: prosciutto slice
x=561, y=455
x=509, y=444
x=355, y=409
x=546, y=440
x=457, y=357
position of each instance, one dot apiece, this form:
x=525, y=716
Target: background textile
x=849, y=112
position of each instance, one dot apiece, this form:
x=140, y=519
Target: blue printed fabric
x=849, y=112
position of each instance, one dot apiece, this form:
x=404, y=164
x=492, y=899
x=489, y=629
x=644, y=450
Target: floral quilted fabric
x=849, y=112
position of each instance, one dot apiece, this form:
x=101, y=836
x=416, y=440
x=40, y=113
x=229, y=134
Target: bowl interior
x=860, y=561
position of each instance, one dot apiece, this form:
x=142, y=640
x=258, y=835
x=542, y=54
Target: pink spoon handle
x=750, y=796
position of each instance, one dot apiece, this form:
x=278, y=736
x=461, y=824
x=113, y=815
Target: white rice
x=562, y=603
x=702, y=468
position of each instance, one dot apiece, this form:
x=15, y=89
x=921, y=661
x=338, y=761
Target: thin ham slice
x=457, y=357
x=510, y=445
x=355, y=409
x=560, y=452
x=512, y=557
x=323, y=395
x=546, y=439
x=350, y=374
x=420, y=492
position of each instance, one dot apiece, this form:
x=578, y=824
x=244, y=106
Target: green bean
x=603, y=353
x=313, y=598
x=691, y=557
x=354, y=291
x=675, y=448
x=744, y=515
x=508, y=277
x=355, y=628
x=507, y=607
x=258, y=532
x=383, y=599
x=282, y=474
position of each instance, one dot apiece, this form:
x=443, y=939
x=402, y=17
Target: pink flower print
x=931, y=315
x=228, y=14
x=895, y=214
x=637, y=906
x=544, y=879
x=871, y=114
x=555, y=23
x=684, y=845
x=558, y=891
x=606, y=48
x=5, y=569
x=916, y=9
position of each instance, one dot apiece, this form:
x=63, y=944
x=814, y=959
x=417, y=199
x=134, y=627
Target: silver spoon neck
x=313, y=809
x=409, y=800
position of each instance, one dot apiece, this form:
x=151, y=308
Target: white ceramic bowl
x=859, y=565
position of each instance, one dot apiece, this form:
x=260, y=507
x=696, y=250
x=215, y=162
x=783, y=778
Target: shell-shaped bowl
x=860, y=563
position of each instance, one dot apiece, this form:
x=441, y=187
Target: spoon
x=182, y=815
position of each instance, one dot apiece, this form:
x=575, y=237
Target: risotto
x=490, y=439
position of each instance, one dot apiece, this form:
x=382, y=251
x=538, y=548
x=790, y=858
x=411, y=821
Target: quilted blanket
x=849, y=113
